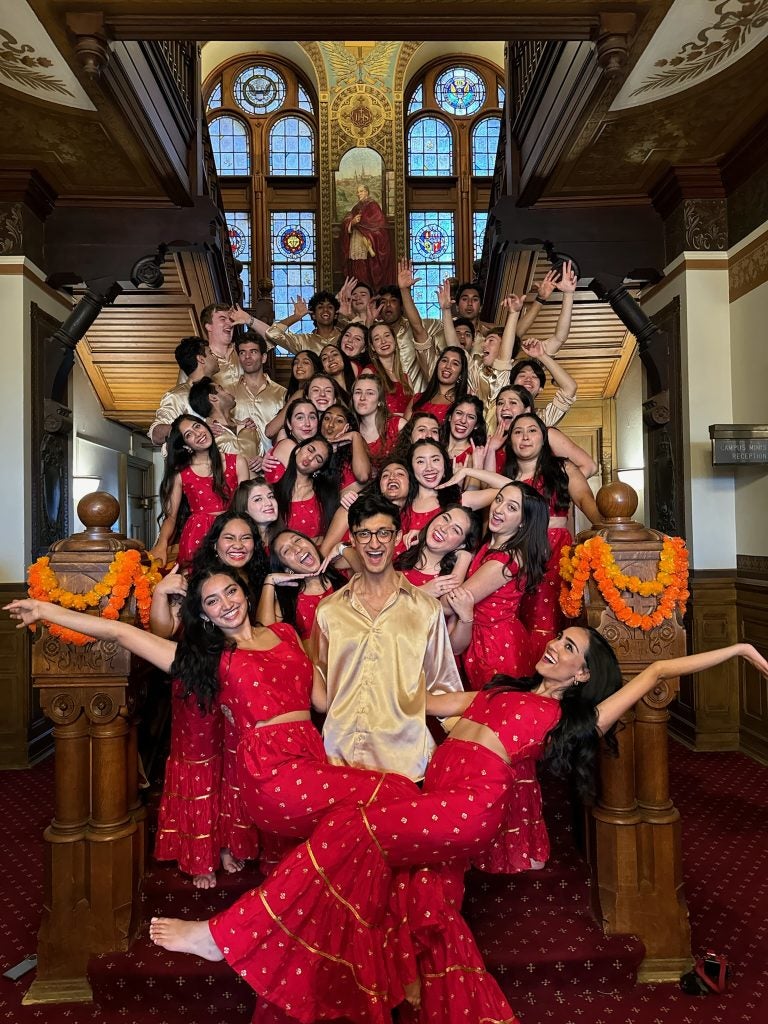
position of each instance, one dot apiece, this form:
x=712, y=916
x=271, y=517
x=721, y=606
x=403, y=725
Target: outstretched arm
x=611, y=709
x=154, y=649
x=406, y=281
x=581, y=493
x=565, y=448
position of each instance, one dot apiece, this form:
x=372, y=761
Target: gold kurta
x=173, y=403
x=228, y=373
x=407, y=349
x=378, y=673
x=245, y=442
x=282, y=337
x=261, y=404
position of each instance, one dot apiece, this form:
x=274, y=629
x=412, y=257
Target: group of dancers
x=464, y=495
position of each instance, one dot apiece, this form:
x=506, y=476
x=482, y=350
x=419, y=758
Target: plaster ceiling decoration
x=696, y=40
x=30, y=62
x=360, y=61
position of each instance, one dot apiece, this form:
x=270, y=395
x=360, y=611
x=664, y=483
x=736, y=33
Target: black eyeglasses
x=384, y=533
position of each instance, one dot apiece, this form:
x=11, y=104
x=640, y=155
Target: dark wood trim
x=696, y=181
x=752, y=567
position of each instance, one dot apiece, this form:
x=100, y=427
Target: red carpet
x=536, y=932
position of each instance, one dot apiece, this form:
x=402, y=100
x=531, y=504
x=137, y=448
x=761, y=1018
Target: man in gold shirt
x=257, y=396
x=381, y=644
x=195, y=361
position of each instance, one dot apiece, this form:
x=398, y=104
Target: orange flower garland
x=125, y=572
x=595, y=558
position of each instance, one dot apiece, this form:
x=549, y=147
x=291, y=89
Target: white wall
x=629, y=433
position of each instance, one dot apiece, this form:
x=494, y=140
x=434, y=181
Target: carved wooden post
x=637, y=858
x=95, y=843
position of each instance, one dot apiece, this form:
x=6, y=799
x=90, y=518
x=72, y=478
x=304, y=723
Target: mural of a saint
x=365, y=242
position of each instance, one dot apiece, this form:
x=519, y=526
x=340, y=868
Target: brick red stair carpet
x=536, y=932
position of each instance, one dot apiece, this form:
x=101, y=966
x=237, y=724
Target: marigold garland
x=124, y=572
x=595, y=558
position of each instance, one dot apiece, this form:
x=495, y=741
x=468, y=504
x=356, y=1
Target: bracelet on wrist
x=542, y=302
x=467, y=622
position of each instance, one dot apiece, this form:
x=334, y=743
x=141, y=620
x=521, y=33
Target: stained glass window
x=305, y=101
x=259, y=90
x=430, y=148
x=417, y=100
x=479, y=221
x=485, y=141
x=291, y=147
x=214, y=100
x=239, y=225
x=229, y=141
x=502, y=94
x=432, y=250
x=294, y=269
x=460, y=91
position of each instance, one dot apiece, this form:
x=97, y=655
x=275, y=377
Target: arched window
x=430, y=148
x=262, y=119
x=291, y=147
x=452, y=127
x=229, y=139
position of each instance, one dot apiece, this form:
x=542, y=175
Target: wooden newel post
x=637, y=861
x=95, y=844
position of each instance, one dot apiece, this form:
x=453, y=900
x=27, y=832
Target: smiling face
x=365, y=397
x=491, y=346
x=508, y=406
x=448, y=531
x=449, y=367
x=428, y=466
x=463, y=421
x=296, y=553
x=424, y=427
x=333, y=423
x=375, y=553
x=359, y=299
x=383, y=341
x=312, y=456
x=235, y=544
x=219, y=331
x=563, y=658
x=468, y=304
x=526, y=438
x=196, y=436
x=527, y=379
x=303, y=421
x=331, y=359
x=391, y=309
x=506, y=512
x=303, y=367
x=353, y=342
x=262, y=507
x=394, y=482
x=223, y=602
x=324, y=313
x=321, y=393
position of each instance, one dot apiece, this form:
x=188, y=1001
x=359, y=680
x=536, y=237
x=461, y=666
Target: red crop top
x=520, y=720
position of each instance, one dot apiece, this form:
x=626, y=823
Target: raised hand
x=547, y=286
x=533, y=347
x=405, y=276
x=460, y=474
x=300, y=308
x=239, y=316
x=568, y=279
x=443, y=294
x=373, y=311
x=497, y=438
x=27, y=610
x=477, y=458
x=513, y=303
x=174, y=584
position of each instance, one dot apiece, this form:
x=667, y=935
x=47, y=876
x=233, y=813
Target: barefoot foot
x=184, y=937
x=231, y=864
x=207, y=881
x=413, y=993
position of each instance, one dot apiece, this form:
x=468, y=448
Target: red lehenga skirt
x=540, y=610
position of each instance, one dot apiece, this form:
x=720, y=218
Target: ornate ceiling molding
x=30, y=62
x=696, y=40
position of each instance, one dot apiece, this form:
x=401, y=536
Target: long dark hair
x=402, y=445
x=479, y=435
x=363, y=358
x=341, y=455
x=409, y=559
x=179, y=456
x=460, y=388
x=293, y=383
x=202, y=643
x=446, y=495
x=349, y=371
x=288, y=597
x=323, y=484
x=528, y=547
x=290, y=408
x=550, y=477
x=572, y=744
x=255, y=569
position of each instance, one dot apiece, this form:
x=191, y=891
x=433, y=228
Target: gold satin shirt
x=378, y=672
x=262, y=405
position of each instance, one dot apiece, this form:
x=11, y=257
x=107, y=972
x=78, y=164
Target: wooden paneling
x=753, y=628
x=25, y=733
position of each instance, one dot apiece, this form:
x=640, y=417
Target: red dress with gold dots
x=320, y=921
x=306, y=517
x=500, y=642
x=204, y=506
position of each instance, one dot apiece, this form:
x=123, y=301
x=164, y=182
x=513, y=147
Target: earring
x=207, y=625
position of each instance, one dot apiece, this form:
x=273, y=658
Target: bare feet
x=413, y=993
x=230, y=864
x=207, y=881
x=184, y=937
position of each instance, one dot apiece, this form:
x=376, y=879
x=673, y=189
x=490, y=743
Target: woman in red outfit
x=378, y=428
x=385, y=363
x=439, y=560
x=449, y=383
x=306, y=494
x=195, y=480
x=486, y=628
x=464, y=430
x=301, y=421
x=295, y=585
x=430, y=468
x=321, y=918
x=350, y=459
